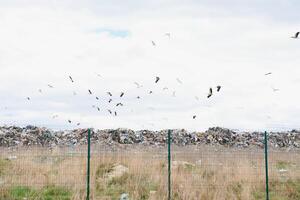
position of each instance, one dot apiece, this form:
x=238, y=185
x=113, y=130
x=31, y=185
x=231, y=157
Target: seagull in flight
x=168, y=35
x=194, y=117
x=275, y=89
x=110, y=100
x=178, y=80
x=119, y=104
x=153, y=43
x=109, y=111
x=210, y=93
x=296, y=35
x=50, y=86
x=122, y=94
x=90, y=92
x=28, y=98
x=138, y=85
x=71, y=79
x=269, y=73
x=70, y=121
x=109, y=93
x=157, y=79
x=218, y=88
x=116, y=113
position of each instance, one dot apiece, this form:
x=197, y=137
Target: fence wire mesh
x=197, y=172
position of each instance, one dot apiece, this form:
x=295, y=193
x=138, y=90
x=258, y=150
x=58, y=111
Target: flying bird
x=78, y=124
x=296, y=35
x=157, y=79
x=115, y=113
x=97, y=98
x=71, y=79
x=70, y=121
x=194, y=117
x=218, y=88
x=210, y=93
x=153, y=43
x=54, y=116
x=119, y=104
x=138, y=85
x=98, y=108
x=90, y=92
x=28, y=98
x=269, y=73
x=174, y=94
x=150, y=92
x=275, y=89
x=109, y=111
x=178, y=80
x=109, y=93
x=50, y=86
x=110, y=100
x=40, y=91
x=138, y=97
x=122, y=94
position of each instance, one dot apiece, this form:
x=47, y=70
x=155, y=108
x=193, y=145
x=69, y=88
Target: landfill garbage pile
x=36, y=136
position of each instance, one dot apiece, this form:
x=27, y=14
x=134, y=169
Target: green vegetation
x=282, y=165
x=46, y=193
x=288, y=190
x=3, y=165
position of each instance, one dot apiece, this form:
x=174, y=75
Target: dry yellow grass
x=207, y=173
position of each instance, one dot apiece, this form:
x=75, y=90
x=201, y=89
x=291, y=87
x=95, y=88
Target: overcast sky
x=107, y=46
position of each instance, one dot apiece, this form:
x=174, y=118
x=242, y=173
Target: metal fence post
x=266, y=166
x=88, y=165
x=169, y=164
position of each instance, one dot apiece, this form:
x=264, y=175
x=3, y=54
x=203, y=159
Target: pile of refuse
x=36, y=136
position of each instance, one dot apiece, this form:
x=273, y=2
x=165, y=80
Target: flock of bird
x=138, y=85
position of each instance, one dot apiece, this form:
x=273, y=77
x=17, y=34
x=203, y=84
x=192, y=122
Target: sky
x=107, y=46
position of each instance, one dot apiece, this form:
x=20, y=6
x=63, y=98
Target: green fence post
x=169, y=164
x=266, y=166
x=88, y=165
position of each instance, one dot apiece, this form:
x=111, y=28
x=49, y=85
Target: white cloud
x=45, y=43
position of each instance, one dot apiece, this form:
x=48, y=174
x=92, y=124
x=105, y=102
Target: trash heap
x=37, y=136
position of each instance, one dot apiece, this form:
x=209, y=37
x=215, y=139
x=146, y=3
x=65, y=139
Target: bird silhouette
x=98, y=108
x=109, y=111
x=109, y=93
x=97, y=98
x=90, y=92
x=296, y=35
x=157, y=79
x=194, y=117
x=269, y=73
x=138, y=85
x=122, y=94
x=178, y=80
x=138, y=97
x=210, y=93
x=150, y=92
x=119, y=104
x=116, y=113
x=70, y=121
x=110, y=100
x=218, y=88
x=28, y=98
x=78, y=124
x=153, y=43
x=71, y=79
x=275, y=89
x=50, y=86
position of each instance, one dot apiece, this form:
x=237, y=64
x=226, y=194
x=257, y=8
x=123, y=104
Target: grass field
x=206, y=173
